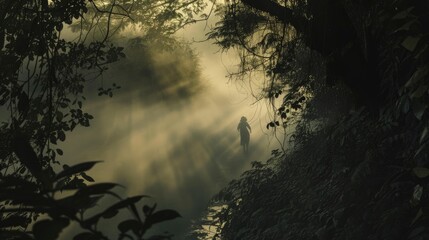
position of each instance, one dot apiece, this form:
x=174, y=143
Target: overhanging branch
x=284, y=14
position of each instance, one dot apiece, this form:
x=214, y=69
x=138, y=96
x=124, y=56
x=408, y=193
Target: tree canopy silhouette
x=44, y=68
x=352, y=80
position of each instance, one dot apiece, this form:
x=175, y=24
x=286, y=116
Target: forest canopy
x=352, y=76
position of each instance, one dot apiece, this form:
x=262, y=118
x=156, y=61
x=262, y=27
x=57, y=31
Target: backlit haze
x=170, y=131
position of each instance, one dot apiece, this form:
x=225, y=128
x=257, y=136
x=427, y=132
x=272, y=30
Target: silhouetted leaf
x=85, y=236
x=49, y=229
x=146, y=210
x=23, y=103
x=417, y=76
x=115, y=207
x=161, y=216
x=14, y=221
x=130, y=224
x=59, y=151
x=22, y=148
x=78, y=168
x=61, y=135
x=99, y=188
x=86, y=177
x=110, y=214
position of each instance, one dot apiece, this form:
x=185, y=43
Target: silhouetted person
x=244, y=128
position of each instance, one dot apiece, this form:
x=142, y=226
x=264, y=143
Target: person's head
x=243, y=119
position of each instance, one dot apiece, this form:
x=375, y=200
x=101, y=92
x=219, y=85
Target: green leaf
x=78, y=168
x=411, y=42
x=49, y=229
x=421, y=172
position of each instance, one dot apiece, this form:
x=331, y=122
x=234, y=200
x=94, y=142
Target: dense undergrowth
x=353, y=170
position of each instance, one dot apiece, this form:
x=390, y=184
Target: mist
x=170, y=131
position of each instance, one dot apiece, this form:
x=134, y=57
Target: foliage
x=358, y=165
x=44, y=68
x=25, y=200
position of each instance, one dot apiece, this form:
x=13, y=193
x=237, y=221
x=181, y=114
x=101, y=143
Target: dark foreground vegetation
x=351, y=78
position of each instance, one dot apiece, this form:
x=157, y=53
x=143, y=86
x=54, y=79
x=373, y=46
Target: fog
x=171, y=130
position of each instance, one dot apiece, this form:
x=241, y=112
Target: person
x=244, y=128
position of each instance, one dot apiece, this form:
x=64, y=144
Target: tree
x=348, y=36
x=43, y=72
x=361, y=173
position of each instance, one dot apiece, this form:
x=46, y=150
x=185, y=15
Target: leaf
x=95, y=189
x=161, y=216
x=130, y=224
x=110, y=214
x=61, y=135
x=403, y=14
x=86, y=177
x=14, y=221
x=421, y=89
x=405, y=105
x=146, y=210
x=85, y=236
x=59, y=151
x=418, y=215
x=421, y=148
x=59, y=116
x=418, y=75
x=117, y=206
x=49, y=229
x=27, y=156
x=421, y=172
x=23, y=103
x=424, y=134
x=411, y=42
x=406, y=26
x=419, y=108
x=78, y=168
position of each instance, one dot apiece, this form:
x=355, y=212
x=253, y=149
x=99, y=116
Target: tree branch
x=284, y=14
